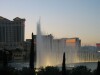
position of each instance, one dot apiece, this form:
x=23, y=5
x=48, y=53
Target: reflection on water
x=90, y=65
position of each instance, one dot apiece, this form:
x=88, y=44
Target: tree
x=94, y=72
x=64, y=65
x=98, y=69
x=5, y=60
x=32, y=56
x=27, y=71
x=49, y=70
x=81, y=70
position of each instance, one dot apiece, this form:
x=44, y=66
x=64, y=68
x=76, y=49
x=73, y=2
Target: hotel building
x=11, y=32
x=12, y=37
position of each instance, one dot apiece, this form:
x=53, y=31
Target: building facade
x=11, y=32
x=12, y=37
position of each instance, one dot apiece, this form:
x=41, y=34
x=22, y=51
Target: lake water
x=90, y=65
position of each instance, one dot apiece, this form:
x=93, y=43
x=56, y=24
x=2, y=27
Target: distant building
x=73, y=42
x=98, y=46
x=11, y=32
x=12, y=37
x=27, y=46
x=98, y=50
x=18, y=55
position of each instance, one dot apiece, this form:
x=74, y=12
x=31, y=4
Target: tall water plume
x=46, y=49
x=39, y=44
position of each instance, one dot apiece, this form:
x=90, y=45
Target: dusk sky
x=62, y=18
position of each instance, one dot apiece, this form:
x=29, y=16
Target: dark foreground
x=49, y=70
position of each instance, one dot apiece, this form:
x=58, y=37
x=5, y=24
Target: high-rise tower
x=12, y=31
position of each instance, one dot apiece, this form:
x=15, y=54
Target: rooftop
x=15, y=19
x=2, y=18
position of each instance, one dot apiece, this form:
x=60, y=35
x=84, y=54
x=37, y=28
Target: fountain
x=50, y=51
